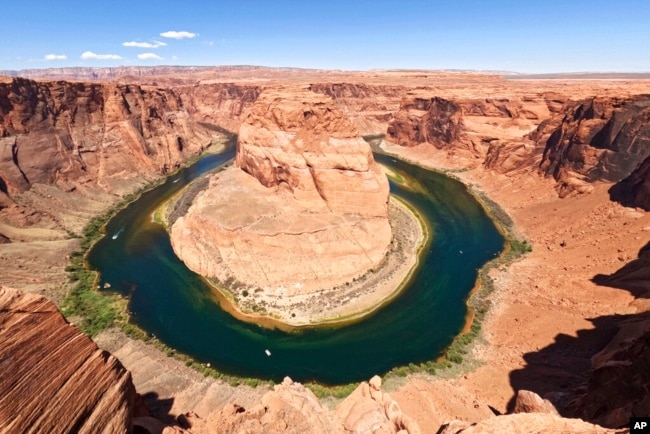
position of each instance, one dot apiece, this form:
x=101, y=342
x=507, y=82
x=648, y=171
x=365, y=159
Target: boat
x=117, y=234
x=268, y=353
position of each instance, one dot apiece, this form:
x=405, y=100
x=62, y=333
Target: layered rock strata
x=305, y=208
x=54, y=378
x=595, y=139
x=435, y=120
x=66, y=133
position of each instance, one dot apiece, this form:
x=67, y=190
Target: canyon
x=567, y=160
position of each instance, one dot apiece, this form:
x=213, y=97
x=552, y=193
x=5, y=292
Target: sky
x=527, y=36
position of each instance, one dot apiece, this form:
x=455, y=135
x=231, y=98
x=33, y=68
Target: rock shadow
x=633, y=276
x=559, y=371
x=159, y=408
x=594, y=388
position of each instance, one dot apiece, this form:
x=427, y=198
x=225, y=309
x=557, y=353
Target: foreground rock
x=619, y=381
x=292, y=408
x=305, y=208
x=523, y=424
x=54, y=378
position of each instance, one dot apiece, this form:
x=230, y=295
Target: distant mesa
x=304, y=208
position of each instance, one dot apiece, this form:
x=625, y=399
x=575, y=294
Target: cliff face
x=368, y=106
x=635, y=189
x=595, y=139
x=475, y=129
x=306, y=207
x=218, y=103
x=620, y=377
x=104, y=134
x=54, y=378
x=436, y=121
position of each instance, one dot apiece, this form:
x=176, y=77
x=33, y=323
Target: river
x=173, y=303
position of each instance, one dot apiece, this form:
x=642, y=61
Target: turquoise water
x=173, y=303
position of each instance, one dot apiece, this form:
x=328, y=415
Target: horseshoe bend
x=300, y=226
x=562, y=342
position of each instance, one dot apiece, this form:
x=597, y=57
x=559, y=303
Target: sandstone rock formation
x=368, y=106
x=306, y=207
x=66, y=133
x=368, y=409
x=530, y=402
x=288, y=408
x=635, y=189
x=619, y=381
x=523, y=423
x=218, y=103
x=595, y=139
x=435, y=120
x=54, y=378
x=292, y=408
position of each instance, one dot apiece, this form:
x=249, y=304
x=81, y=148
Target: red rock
x=530, y=402
x=306, y=208
x=54, y=378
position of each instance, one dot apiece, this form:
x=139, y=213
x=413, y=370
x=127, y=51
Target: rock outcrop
x=435, y=120
x=619, y=381
x=523, y=423
x=218, y=103
x=368, y=409
x=595, y=139
x=305, y=208
x=292, y=408
x=65, y=133
x=634, y=190
x=54, y=378
x=368, y=106
x=288, y=408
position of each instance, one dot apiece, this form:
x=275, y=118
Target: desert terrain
x=566, y=159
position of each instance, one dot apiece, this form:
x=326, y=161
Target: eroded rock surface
x=523, y=423
x=595, y=139
x=435, y=120
x=305, y=208
x=54, y=378
x=67, y=133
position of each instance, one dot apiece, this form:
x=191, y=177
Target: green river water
x=171, y=302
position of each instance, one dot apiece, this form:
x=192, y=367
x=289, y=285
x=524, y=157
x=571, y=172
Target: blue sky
x=523, y=36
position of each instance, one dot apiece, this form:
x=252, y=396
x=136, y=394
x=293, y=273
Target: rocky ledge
x=54, y=378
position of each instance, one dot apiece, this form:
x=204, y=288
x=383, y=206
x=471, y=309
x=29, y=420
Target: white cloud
x=149, y=56
x=55, y=57
x=178, y=35
x=156, y=44
x=89, y=55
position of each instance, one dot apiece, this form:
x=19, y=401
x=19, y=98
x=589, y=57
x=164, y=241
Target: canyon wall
x=104, y=134
x=218, y=103
x=368, y=106
x=595, y=139
x=54, y=378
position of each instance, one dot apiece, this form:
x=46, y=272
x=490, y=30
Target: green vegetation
x=93, y=310
x=339, y=392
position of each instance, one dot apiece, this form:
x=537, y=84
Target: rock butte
x=570, y=320
x=304, y=209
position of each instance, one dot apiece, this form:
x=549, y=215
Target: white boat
x=268, y=353
x=117, y=234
